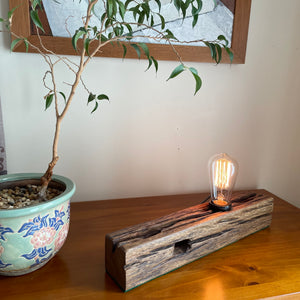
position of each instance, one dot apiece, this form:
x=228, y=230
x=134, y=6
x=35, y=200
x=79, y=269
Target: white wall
x=154, y=137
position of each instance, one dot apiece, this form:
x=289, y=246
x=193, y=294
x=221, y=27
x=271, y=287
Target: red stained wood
x=262, y=265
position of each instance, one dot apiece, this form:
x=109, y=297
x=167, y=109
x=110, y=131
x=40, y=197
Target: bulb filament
x=223, y=171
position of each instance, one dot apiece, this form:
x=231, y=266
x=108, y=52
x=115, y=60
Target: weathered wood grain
x=145, y=251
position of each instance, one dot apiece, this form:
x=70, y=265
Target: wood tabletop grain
x=265, y=264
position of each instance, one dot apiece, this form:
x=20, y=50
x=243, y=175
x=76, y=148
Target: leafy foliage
x=115, y=28
x=179, y=69
x=49, y=100
x=94, y=98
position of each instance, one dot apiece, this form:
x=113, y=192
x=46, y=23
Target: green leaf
x=195, y=20
x=135, y=11
x=141, y=17
x=76, y=36
x=162, y=19
x=129, y=36
x=49, y=100
x=137, y=49
x=118, y=30
x=102, y=97
x=110, y=7
x=197, y=79
x=103, y=17
x=14, y=43
x=110, y=35
x=93, y=8
x=129, y=28
x=122, y=9
x=96, y=106
x=108, y=22
x=91, y=97
x=199, y=3
x=36, y=20
x=145, y=49
x=177, y=71
x=212, y=48
x=150, y=64
x=159, y=5
x=219, y=53
x=103, y=38
x=169, y=35
x=152, y=21
x=146, y=9
x=223, y=38
x=155, y=63
x=177, y=4
x=36, y=3
x=64, y=96
x=193, y=70
x=183, y=10
x=86, y=45
x=198, y=83
x=229, y=53
x=10, y=13
x=127, y=3
x=95, y=29
x=1, y=20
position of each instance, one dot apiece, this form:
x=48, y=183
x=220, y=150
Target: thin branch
x=68, y=65
x=69, y=84
x=65, y=60
x=81, y=65
x=84, y=85
x=66, y=25
x=44, y=80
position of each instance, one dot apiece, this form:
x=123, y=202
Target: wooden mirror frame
x=61, y=45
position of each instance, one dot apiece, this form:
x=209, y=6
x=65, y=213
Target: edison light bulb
x=222, y=173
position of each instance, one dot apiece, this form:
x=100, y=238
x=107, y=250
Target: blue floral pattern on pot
x=43, y=232
x=3, y=231
x=30, y=237
x=43, y=235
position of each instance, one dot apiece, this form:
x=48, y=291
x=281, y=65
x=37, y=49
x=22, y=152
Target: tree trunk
x=46, y=178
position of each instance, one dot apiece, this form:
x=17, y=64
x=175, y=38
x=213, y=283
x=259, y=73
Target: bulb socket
x=219, y=205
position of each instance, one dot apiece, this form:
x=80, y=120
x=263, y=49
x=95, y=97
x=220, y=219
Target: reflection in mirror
x=215, y=18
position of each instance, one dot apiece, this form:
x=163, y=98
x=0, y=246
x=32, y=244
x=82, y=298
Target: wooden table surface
x=262, y=265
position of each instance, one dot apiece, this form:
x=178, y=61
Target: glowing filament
x=222, y=174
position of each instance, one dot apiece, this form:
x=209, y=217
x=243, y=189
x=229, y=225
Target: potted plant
x=30, y=235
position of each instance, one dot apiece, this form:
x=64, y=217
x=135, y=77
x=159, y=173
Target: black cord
x=205, y=200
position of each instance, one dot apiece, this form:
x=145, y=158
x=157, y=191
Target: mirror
x=227, y=17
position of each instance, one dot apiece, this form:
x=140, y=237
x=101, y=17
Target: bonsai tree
x=118, y=22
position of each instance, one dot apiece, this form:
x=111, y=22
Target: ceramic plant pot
x=31, y=236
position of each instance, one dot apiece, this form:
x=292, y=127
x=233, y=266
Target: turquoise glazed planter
x=31, y=236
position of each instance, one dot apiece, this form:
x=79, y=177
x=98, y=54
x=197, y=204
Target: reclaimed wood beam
x=145, y=251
